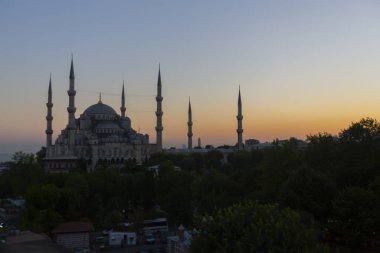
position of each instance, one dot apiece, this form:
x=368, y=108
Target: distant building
x=121, y=237
x=3, y=167
x=99, y=135
x=155, y=169
x=102, y=136
x=11, y=205
x=73, y=234
x=255, y=144
x=251, y=142
x=300, y=144
x=27, y=241
x=179, y=243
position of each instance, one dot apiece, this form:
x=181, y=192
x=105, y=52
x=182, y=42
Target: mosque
x=102, y=136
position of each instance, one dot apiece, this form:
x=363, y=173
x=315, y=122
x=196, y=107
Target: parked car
x=149, y=238
x=159, y=250
x=81, y=250
x=100, y=242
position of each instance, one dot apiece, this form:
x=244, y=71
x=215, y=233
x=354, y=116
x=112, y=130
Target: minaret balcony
x=71, y=109
x=71, y=92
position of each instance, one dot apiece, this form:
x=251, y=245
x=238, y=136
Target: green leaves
x=310, y=191
x=252, y=227
x=356, y=217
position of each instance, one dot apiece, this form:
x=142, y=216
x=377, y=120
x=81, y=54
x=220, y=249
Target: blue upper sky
x=303, y=66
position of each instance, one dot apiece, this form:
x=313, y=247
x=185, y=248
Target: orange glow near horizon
x=215, y=129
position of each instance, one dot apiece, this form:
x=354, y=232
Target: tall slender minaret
x=49, y=117
x=71, y=92
x=239, y=117
x=122, y=108
x=159, y=113
x=189, y=129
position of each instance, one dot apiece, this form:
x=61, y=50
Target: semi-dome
x=100, y=108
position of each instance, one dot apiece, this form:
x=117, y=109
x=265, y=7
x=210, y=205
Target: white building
x=121, y=238
x=179, y=243
x=73, y=234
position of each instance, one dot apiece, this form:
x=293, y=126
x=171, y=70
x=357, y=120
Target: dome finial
x=100, y=98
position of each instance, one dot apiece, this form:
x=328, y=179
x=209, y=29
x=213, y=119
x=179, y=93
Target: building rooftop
x=73, y=227
x=99, y=108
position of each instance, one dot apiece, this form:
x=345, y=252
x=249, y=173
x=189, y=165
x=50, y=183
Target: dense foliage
x=251, y=227
x=333, y=182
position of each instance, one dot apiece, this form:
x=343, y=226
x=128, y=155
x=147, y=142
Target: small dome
x=107, y=125
x=100, y=108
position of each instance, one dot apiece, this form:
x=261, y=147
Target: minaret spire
x=71, y=125
x=72, y=68
x=239, y=117
x=189, y=128
x=71, y=92
x=159, y=112
x=49, y=117
x=122, y=108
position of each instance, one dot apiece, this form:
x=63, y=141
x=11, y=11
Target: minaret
x=122, y=108
x=239, y=130
x=49, y=117
x=159, y=113
x=71, y=92
x=189, y=129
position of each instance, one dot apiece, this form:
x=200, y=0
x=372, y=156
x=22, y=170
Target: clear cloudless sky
x=303, y=66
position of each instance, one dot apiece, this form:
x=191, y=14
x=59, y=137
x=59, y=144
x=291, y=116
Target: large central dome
x=99, y=108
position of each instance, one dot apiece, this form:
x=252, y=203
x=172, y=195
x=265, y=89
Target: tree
x=251, y=227
x=43, y=207
x=188, y=163
x=148, y=190
x=278, y=163
x=213, y=159
x=240, y=159
x=366, y=130
x=321, y=152
x=21, y=174
x=40, y=155
x=309, y=191
x=23, y=158
x=356, y=217
x=358, y=154
x=174, y=195
x=215, y=190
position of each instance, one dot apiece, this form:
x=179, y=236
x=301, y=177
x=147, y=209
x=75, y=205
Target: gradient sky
x=303, y=66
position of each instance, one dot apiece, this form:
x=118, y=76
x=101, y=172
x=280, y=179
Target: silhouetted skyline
x=304, y=67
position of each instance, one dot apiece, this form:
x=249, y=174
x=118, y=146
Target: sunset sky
x=303, y=66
